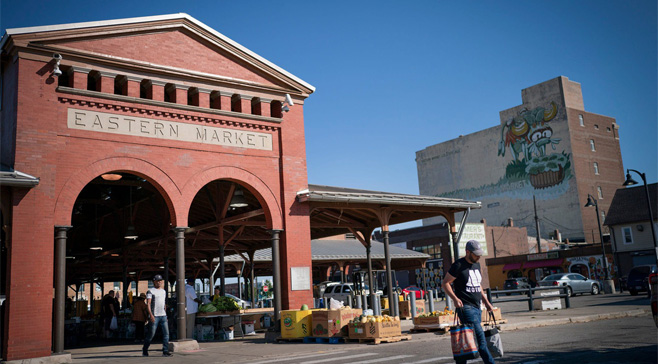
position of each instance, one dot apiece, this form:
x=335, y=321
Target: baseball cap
x=474, y=247
x=157, y=277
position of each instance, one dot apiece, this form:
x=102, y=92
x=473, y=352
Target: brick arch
x=139, y=167
x=246, y=179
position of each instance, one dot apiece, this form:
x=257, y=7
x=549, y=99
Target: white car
x=242, y=303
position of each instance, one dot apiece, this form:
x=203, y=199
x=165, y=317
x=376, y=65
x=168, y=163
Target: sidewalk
x=255, y=349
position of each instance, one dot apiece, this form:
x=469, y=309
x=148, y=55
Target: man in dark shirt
x=108, y=311
x=466, y=293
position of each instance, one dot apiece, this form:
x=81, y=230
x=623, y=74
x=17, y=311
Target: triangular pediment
x=177, y=43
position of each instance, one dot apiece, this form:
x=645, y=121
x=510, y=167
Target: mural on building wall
x=591, y=267
x=537, y=167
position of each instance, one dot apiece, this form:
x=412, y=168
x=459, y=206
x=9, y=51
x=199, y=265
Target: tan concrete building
x=548, y=148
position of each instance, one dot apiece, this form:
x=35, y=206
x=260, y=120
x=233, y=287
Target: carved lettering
x=163, y=129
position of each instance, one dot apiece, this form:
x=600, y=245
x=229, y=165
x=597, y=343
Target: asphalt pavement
x=254, y=349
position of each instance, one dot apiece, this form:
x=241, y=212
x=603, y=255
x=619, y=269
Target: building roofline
x=148, y=19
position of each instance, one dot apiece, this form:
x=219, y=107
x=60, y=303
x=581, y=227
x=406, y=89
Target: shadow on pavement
x=637, y=355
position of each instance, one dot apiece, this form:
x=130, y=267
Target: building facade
x=151, y=124
x=548, y=148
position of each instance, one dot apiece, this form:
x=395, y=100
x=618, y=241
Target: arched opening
x=227, y=226
x=120, y=237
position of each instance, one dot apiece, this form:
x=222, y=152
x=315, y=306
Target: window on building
x=236, y=103
x=170, y=93
x=82, y=287
x=602, y=215
x=64, y=79
x=150, y=284
x=582, y=121
x=121, y=85
x=608, y=129
x=627, y=234
x=98, y=287
x=596, y=168
x=93, y=81
x=215, y=100
x=599, y=191
x=133, y=285
x=596, y=127
x=117, y=285
x=592, y=145
x=275, y=106
x=193, y=96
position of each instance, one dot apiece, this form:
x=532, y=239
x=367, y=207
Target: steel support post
x=180, y=282
x=60, y=287
x=276, y=276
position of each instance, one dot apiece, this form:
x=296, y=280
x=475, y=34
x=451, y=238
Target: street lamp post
x=608, y=285
x=629, y=182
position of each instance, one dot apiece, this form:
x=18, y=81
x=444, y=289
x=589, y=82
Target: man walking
x=192, y=305
x=466, y=292
x=155, y=305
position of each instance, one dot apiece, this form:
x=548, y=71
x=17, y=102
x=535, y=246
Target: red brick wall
x=66, y=160
x=607, y=155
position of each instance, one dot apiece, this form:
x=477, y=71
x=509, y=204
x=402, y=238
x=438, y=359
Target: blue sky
x=394, y=77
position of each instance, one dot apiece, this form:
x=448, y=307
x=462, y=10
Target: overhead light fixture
x=96, y=248
x=629, y=180
x=70, y=257
x=56, y=71
x=114, y=254
x=238, y=199
x=132, y=273
x=111, y=176
x=161, y=267
x=130, y=232
x=95, y=245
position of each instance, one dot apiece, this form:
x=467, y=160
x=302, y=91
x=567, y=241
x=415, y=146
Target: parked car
x=653, y=283
x=242, y=303
x=340, y=292
x=638, y=279
x=516, y=283
x=413, y=289
x=575, y=283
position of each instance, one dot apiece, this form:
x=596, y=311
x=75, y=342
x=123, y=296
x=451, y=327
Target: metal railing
x=527, y=295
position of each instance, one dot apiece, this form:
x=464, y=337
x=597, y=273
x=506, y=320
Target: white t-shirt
x=190, y=296
x=157, y=297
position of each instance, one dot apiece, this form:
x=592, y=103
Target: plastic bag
x=335, y=304
x=114, y=324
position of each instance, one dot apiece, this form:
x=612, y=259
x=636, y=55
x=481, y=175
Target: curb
x=570, y=320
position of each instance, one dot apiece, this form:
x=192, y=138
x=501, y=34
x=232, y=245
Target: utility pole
x=534, y=202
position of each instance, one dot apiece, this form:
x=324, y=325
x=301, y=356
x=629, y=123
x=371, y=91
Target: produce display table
x=221, y=321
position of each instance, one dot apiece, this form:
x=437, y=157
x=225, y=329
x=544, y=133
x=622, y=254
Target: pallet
x=443, y=329
x=379, y=340
x=323, y=340
x=290, y=340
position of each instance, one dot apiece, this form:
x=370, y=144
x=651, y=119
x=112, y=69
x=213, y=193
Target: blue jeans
x=472, y=316
x=160, y=321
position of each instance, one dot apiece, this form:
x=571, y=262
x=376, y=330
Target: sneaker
x=145, y=353
x=167, y=354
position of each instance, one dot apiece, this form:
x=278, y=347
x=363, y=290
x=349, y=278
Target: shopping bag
x=462, y=338
x=114, y=324
x=492, y=337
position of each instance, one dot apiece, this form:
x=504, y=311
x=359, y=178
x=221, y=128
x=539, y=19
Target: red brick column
x=245, y=104
x=225, y=100
x=265, y=106
x=133, y=86
x=181, y=94
x=107, y=82
x=157, y=88
x=204, y=97
x=79, y=77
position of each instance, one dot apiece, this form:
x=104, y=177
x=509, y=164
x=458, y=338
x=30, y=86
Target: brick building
x=548, y=148
x=179, y=120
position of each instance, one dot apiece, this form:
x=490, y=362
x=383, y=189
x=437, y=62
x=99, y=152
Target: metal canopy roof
x=334, y=250
x=337, y=210
x=17, y=179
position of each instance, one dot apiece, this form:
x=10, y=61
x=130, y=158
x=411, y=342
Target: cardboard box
x=497, y=315
x=332, y=323
x=373, y=330
x=434, y=320
x=295, y=323
x=405, y=308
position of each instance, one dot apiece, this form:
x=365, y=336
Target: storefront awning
x=512, y=266
x=543, y=263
